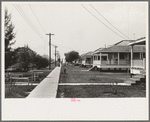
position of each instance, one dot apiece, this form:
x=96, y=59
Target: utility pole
x=49, y=49
x=134, y=36
x=55, y=55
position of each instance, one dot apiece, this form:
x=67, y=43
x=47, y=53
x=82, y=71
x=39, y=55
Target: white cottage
x=138, y=65
x=117, y=56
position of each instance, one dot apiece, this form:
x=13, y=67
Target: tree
x=40, y=62
x=9, y=36
x=9, y=58
x=25, y=56
x=71, y=56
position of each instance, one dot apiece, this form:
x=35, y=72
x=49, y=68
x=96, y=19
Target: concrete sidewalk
x=48, y=87
x=79, y=84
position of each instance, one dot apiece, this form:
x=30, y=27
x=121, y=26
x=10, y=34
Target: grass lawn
x=75, y=74
x=22, y=91
x=98, y=91
x=19, y=91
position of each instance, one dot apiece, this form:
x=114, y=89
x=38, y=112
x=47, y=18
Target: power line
x=28, y=21
x=108, y=21
x=36, y=18
x=102, y=22
x=29, y=24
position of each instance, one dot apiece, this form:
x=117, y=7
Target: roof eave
x=139, y=42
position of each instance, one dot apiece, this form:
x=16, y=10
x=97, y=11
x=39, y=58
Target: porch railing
x=112, y=62
x=97, y=62
x=115, y=62
x=139, y=63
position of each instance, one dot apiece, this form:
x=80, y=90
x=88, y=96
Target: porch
x=113, y=66
x=110, y=67
x=138, y=65
x=118, y=60
x=141, y=63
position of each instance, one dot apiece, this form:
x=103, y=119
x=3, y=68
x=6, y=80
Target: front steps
x=92, y=68
x=136, y=79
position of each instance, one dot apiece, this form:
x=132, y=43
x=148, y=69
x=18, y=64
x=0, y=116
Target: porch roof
x=141, y=41
x=124, y=43
x=124, y=49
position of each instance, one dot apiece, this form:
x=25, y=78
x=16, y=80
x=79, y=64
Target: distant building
x=86, y=59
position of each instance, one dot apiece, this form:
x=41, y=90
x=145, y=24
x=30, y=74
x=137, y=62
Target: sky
x=78, y=26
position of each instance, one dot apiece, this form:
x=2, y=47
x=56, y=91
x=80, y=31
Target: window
x=104, y=58
x=95, y=57
x=136, y=55
x=98, y=57
x=122, y=55
x=142, y=55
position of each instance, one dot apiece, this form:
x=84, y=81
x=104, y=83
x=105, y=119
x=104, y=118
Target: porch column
x=93, y=59
x=100, y=59
x=140, y=55
x=128, y=58
x=131, y=56
x=118, y=58
x=144, y=63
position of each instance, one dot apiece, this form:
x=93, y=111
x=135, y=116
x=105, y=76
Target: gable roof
x=97, y=50
x=141, y=41
x=88, y=55
x=124, y=49
x=123, y=42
